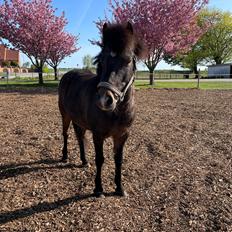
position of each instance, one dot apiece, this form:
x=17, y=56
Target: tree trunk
x=151, y=76
x=151, y=65
x=40, y=70
x=55, y=72
x=218, y=60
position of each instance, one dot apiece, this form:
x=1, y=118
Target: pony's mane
x=118, y=38
x=97, y=62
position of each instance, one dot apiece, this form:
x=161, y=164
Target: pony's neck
x=125, y=111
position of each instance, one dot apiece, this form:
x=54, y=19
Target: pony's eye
x=128, y=60
x=113, y=54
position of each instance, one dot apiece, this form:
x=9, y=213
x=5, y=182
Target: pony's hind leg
x=66, y=122
x=80, y=134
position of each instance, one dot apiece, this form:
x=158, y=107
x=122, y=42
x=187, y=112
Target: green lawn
x=28, y=83
x=173, y=84
x=145, y=85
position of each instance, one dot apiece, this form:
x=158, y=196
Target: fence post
x=7, y=76
x=198, y=79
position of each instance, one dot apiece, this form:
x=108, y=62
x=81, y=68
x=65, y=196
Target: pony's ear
x=140, y=51
x=104, y=27
x=129, y=27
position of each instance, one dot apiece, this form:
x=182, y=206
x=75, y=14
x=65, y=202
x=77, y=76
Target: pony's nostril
x=109, y=101
x=106, y=100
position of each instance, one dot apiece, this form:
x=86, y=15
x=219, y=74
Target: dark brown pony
x=103, y=103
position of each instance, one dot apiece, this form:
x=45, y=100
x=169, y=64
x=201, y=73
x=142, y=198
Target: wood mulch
x=177, y=168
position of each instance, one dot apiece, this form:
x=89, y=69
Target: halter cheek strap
x=118, y=93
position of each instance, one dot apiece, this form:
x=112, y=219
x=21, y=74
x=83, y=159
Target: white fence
x=28, y=75
x=185, y=76
x=188, y=80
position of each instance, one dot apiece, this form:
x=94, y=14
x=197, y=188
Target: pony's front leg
x=119, y=142
x=99, y=160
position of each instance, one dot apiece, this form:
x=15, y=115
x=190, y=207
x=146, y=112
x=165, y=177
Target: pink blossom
x=165, y=26
x=33, y=28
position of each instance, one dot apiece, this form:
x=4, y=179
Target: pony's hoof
x=98, y=192
x=85, y=164
x=64, y=160
x=99, y=195
x=121, y=193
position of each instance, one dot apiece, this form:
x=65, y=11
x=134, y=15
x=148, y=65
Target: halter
x=118, y=93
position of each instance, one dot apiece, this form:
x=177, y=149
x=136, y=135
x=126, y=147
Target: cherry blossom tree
x=165, y=26
x=31, y=27
x=63, y=45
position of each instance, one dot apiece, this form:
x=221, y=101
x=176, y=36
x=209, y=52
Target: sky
x=81, y=15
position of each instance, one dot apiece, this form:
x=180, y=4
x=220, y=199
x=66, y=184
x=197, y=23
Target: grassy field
x=26, y=82
x=184, y=84
x=48, y=82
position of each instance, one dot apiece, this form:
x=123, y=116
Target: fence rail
x=139, y=76
x=185, y=76
x=27, y=75
x=161, y=80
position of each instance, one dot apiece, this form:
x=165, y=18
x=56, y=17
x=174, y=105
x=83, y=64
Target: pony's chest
x=109, y=123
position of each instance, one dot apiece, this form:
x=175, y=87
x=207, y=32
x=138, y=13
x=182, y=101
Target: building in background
x=220, y=71
x=8, y=55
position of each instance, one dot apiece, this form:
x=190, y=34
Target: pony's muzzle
x=106, y=100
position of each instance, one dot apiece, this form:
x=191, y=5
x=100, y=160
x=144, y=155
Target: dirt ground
x=177, y=168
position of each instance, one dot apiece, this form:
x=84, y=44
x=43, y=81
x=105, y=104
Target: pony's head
x=116, y=64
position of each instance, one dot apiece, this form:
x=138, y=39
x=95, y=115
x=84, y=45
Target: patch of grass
x=29, y=83
x=145, y=85
x=216, y=85
x=173, y=84
x=27, y=80
x=24, y=84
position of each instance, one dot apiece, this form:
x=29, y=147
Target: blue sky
x=82, y=13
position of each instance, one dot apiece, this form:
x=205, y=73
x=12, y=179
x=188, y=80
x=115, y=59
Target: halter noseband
x=118, y=93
